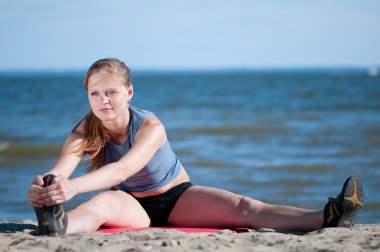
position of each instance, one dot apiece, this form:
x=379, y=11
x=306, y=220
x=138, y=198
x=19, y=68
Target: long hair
x=95, y=134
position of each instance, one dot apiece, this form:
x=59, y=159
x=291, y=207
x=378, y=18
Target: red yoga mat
x=183, y=229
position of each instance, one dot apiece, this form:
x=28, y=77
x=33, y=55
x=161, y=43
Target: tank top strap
x=137, y=117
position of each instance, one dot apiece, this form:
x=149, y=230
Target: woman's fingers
x=54, y=200
x=49, y=192
x=38, y=180
x=33, y=194
x=35, y=204
x=56, y=193
x=34, y=190
x=49, y=198
x=38, y=196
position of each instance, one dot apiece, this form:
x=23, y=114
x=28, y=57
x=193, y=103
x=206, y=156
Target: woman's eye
x=94, y=93
x=112, y=92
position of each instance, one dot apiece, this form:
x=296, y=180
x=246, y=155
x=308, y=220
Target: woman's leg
x=110, y=208
x=215, y=208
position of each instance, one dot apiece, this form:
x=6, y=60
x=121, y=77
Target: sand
x=361, y=237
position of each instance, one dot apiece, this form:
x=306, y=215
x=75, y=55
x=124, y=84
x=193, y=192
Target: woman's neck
x=118, y=128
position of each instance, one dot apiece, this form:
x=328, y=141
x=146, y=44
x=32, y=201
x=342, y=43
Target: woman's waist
x=182, y=177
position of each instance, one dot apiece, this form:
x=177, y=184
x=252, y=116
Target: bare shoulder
x=152, y=120
x=75, y=138
x=152, y=128
x=78, y=130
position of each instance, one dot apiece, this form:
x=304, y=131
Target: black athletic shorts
x=159, y=207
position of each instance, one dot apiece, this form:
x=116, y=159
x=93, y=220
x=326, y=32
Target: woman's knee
x=248, y=208
x=103, y=203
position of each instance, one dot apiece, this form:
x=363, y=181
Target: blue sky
x=197, y=34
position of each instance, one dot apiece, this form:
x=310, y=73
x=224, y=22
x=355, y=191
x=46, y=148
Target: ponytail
x=95, y=138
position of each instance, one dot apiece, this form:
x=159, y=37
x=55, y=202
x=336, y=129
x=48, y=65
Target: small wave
x=294, y=182
x=21, y=156
x=3, y=146
x=211, y=164
x=297, y=168
x=373, y=72
x=240, y=129
x=28, y=150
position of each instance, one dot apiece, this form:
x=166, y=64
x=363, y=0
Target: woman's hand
x=58, y=192
x=34, y=191
x=61, y=190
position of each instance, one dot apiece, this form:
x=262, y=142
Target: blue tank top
x=161, y=169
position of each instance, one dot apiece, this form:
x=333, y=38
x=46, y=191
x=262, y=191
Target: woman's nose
x=104, y=99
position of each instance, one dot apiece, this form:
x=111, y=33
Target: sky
x=198, y=34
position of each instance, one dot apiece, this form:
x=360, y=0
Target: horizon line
x=204, y=69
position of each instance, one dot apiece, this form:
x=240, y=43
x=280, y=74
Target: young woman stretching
x=146, y=185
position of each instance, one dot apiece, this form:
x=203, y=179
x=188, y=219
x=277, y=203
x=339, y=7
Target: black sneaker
x=340, y=211
x=52, y=220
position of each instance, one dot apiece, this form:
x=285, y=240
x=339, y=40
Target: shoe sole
x=353, y=201
x=51, y=217
x=47, y=221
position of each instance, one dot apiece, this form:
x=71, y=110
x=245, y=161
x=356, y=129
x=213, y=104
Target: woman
x=129, y=152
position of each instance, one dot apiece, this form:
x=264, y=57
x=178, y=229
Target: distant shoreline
x=138, y=71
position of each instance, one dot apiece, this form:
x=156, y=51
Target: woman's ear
x=130, y=93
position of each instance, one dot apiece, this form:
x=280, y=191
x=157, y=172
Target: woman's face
x=109, y=99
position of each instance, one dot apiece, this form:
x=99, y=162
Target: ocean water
x=284, y=137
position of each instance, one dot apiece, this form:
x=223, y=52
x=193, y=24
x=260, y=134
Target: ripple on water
x=19, y=155
x=296, y=168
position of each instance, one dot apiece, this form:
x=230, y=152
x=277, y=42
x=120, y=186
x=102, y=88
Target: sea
x=282, y=136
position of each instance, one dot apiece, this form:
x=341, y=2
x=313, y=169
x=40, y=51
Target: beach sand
x=362, y=237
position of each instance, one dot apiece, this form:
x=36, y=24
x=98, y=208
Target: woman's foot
x=52, y=220
x=340, y=211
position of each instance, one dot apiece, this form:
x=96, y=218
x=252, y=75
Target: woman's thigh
x=210, y=207
x=113, y=208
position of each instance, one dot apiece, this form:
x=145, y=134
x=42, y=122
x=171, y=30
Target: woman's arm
x=69, y=158
x=149, y=138
x=64, y=167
